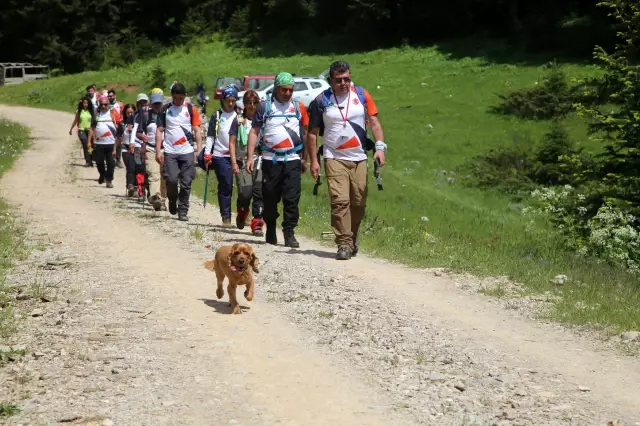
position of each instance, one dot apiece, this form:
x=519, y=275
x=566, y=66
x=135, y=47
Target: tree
x=619, y=127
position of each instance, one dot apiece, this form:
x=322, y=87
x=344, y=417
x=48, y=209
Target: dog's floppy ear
x=232, y=251
x=254, y=261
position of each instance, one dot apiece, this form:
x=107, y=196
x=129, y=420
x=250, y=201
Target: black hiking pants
x=179, y=166
x=83, y=135
x=105, y=161
x=281, y=181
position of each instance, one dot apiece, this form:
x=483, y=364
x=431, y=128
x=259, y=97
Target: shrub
x=157, y=76
x=551, y=99
x=552, y=165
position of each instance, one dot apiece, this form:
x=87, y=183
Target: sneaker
x=183, y=217
x=109, y=184
x=173, y=206
x=131, y=190
x=119, y=164
x=290, y=240
x=344, y=253
x=226, y=223
x=272, y=237
x=156, y=202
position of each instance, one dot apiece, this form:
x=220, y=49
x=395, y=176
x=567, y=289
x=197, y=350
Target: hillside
x=435, y=113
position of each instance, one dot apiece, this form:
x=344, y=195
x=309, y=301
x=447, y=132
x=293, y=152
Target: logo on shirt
x=292, y=109
x=356, y=101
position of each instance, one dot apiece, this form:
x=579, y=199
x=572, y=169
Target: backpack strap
x=217, y=129
x=268, y=115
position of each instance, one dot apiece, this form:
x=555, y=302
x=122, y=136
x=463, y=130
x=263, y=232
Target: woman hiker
x=249, y=184
x=217, y=153
x=83, y=118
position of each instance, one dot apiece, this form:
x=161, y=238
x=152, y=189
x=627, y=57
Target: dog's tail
x=210, y=265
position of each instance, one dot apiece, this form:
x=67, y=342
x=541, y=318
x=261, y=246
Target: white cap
x=142, y=97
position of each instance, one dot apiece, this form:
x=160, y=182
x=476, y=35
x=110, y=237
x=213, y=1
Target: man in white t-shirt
x=343, y=111
x=217, y=154
x=177, y=125
x=279, y=125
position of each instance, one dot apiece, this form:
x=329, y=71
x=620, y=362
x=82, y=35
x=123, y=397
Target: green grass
x=14, y=138
x=434, y=110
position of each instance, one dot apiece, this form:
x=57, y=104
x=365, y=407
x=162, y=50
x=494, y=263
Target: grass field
x=434, y=110
x=13, y=140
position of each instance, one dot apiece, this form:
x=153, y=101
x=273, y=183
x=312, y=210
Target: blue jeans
x=224, y=174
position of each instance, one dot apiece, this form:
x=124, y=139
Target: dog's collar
x=238, y=269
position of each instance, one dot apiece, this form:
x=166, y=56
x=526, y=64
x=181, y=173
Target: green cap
x=284, y=79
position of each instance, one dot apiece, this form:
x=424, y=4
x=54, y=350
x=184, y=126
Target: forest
x=78, y=35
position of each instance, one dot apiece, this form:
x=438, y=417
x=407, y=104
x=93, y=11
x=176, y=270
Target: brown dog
x=237, y=263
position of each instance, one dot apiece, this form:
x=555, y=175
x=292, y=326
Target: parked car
x=305, y=89
x=255, y=82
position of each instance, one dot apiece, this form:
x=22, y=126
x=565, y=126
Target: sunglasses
x=343, y=80
x=101, y=104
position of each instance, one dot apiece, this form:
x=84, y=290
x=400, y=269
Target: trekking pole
x=319, y=179
x=206, y=187
x=376, y=173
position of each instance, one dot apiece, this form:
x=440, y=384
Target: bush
x=157, y=76
x=552, y=165
x=551, y=99
x=507, y=168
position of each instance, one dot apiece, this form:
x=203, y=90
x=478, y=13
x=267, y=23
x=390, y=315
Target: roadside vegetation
x=14, y=139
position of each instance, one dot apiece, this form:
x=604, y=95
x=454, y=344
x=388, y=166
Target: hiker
x=249, y=184
x=279, y=125
x=146, y=124
x=343, y=111
x=83, y=118
x=103, y=141
x=129, y=149
x=93, y=96
x=174, y=135
x=217, y=153
x=117, y=105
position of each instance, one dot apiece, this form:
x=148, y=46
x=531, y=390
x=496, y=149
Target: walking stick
x=206, y=187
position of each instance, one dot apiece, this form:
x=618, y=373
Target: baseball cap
x=142, y=97
x=157, y=98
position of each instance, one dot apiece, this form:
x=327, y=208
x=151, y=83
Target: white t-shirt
x=220, y=142
x=105, y=129
x=344, y=124
x=178, y=127
x=281, y=133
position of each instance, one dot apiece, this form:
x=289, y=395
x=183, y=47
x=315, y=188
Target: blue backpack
x=268, y=114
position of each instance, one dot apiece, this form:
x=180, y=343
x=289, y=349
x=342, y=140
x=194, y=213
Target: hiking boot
x=131, y=190
x=156, y=202
x=101, y=180
x=173, y=206
x=226, y=223
x=109, y=184
x=290, y=239
x=256, y=227
x=271, y=237
x=356, y=245
x=241, y=218
x=183, y=217
x=344, y=253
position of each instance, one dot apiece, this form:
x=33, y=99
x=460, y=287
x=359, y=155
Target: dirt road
x=136, y=335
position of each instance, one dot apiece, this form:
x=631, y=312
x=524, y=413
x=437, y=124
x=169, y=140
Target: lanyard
x=345, y=117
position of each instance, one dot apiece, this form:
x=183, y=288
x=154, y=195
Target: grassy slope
x=13, y=140
x=434, y=113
